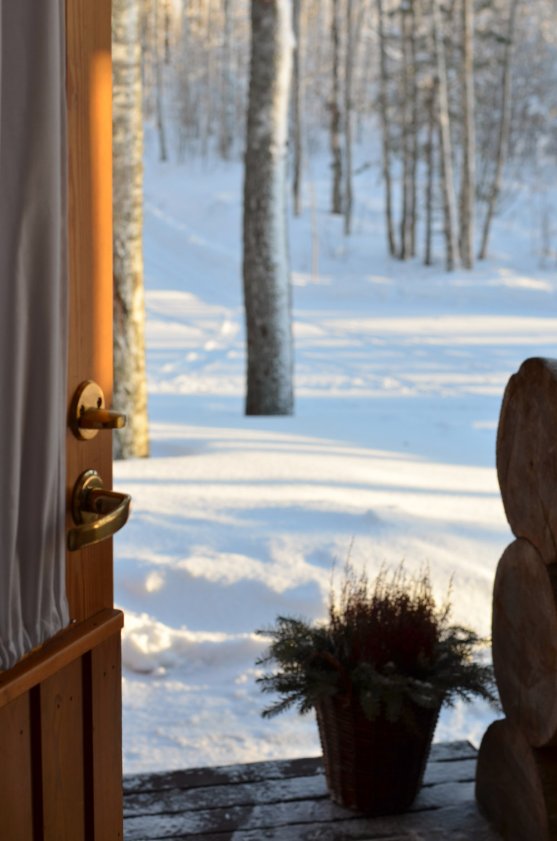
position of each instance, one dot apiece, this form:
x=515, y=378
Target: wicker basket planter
x=377, y=673
x=375, y=766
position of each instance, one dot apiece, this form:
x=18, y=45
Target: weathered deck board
x=274, y=770
x=269, y=791
x=288, y=801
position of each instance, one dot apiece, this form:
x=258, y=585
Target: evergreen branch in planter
x=385, y=643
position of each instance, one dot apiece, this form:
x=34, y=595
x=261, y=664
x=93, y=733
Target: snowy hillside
x=399, y=376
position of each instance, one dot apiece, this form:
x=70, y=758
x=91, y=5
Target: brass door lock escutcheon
x=97, y=513
x=88, y=413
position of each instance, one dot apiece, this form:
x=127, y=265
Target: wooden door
x=60, y=708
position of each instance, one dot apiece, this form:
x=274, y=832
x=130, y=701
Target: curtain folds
x=33, y=324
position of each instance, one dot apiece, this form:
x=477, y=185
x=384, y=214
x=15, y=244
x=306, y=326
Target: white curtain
x=33, y=324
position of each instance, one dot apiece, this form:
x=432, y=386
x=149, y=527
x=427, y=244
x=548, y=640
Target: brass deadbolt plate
x=89, y=395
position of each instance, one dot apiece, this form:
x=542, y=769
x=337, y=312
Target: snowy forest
x=452, y=102
x=412, y=179
x=455, y=102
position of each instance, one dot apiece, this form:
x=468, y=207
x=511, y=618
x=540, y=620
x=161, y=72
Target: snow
x=399, y=376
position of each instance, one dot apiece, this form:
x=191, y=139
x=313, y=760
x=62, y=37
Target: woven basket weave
x=374, y=766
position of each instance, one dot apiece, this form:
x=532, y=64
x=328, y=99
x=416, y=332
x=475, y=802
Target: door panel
x=89, y=86
x=61, y=715
x=106, y=735
x=60, y=707
x=16, y=806
x=60, y=724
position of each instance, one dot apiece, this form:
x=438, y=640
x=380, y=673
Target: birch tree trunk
x=163, y=153
x=406, y=138
x=504, y=129
x=185, y=108
x=206, y=12
x=447, y=176
x=348, y=106
x=385, y=131
x=468, y=188
x=430, y=174
x=267, y=295
x=336, y=203
x=227, y=93
x=167, y=24
x=130, y=386
x=297, y=108
x=415, y=130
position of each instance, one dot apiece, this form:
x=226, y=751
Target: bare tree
x=130, y=387
x=447, y=176
x=348, y=107
x=334, y=107
x=163, y=152
x=385, y=129
x=406, y=132
x=415, y=129
x=297, y=107
x=167, y=27
x=504, y=128
x=208, y=63
x=468, y=186
x=266, y=274
x=430, y=172
x=227, y=95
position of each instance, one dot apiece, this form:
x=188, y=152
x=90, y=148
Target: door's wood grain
x=104, y=663
x=61, y=716
x=67, y=646
x=16, y=808
x=89, y=97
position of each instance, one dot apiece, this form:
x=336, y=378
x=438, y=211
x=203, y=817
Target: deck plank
x=268, y=790
x=254, y=771
x=223, y=775
x=266, y=816
x=287, y=800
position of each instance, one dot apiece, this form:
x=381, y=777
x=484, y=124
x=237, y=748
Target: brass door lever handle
x=88, y=413
x=98, y=513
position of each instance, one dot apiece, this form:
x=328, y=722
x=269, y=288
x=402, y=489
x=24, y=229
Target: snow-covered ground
x=399, y=376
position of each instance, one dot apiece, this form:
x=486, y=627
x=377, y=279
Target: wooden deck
x=288, y=801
